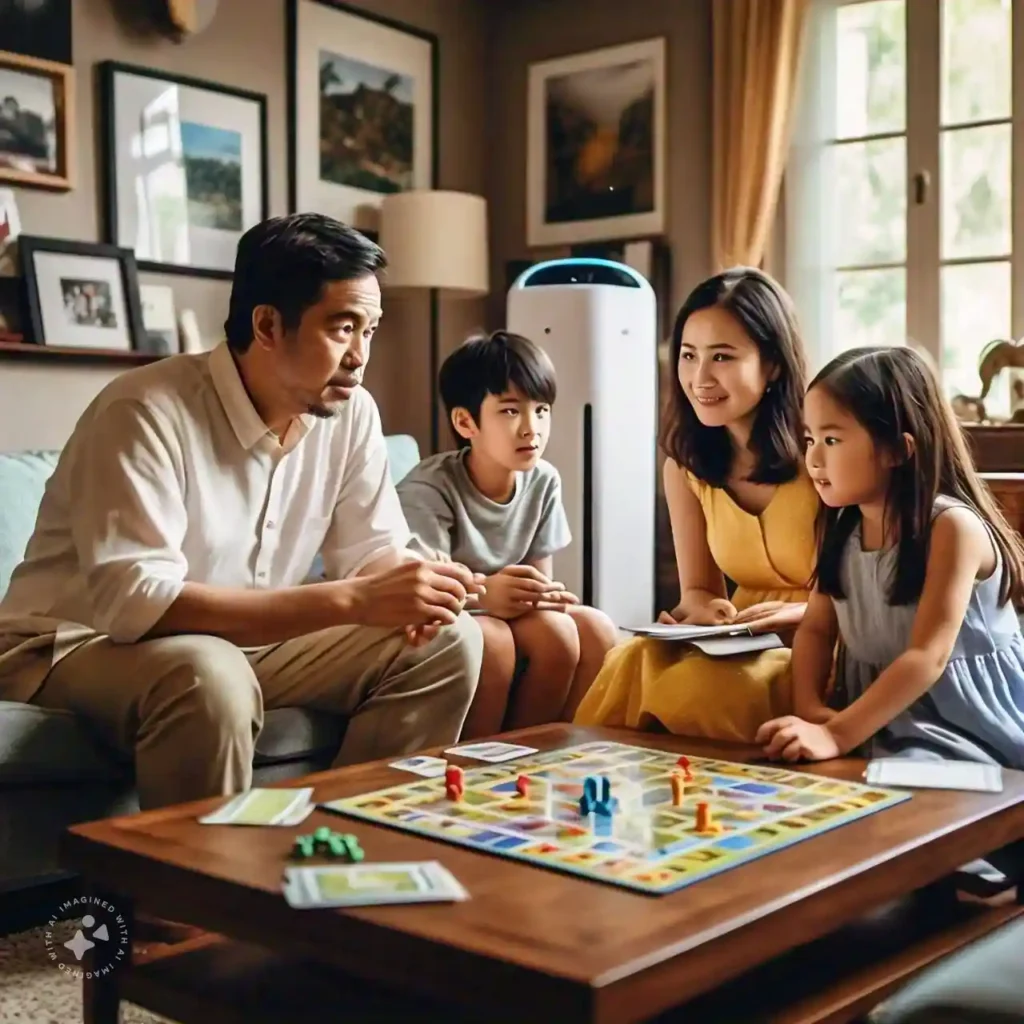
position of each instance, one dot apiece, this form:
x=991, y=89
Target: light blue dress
x=975, y=710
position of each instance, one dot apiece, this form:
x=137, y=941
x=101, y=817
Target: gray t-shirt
x=447, y=514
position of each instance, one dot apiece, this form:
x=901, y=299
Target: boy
x=495, y=506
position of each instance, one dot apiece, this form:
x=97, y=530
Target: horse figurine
x=997, y=356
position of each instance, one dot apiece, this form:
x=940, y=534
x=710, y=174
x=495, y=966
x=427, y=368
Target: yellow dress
x=645, y=682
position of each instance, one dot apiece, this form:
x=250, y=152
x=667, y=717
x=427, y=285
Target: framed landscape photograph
x=36, y=122
x=186, y=168
x=596, y=145
x=362, y=110
x=81, y=294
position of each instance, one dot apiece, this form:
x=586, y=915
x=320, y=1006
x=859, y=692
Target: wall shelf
x=29, y=351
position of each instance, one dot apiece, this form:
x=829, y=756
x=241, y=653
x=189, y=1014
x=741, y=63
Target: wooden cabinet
x=1008, y=490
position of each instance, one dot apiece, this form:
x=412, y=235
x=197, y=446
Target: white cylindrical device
x=597, y=321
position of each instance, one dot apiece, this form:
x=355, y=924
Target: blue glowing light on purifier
x=581, y=271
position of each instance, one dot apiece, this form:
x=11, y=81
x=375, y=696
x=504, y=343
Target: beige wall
x=533, y=30
x=486, y=46
x=244, y=47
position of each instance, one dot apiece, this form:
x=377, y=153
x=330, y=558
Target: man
x=160, y=594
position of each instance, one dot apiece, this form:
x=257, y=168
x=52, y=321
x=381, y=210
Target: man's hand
x=519, y=589
x=413, y=594
x=792, y=739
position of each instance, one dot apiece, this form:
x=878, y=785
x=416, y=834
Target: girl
x=917, y=572
x=740, y=507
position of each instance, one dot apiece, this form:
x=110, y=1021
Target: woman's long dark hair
x=766, y=313
x=892, y=392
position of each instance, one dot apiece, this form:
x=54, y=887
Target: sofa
x=53, y=772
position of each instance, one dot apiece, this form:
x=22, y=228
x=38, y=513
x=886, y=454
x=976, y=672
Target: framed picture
x=596, y=145
x=81, y=294
x=186, y=168
x=362, y=110
x=159, y=319
x=37, y=28
x=37, y=117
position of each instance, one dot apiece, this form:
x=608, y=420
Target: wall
x=244, y=47
x=534, y=30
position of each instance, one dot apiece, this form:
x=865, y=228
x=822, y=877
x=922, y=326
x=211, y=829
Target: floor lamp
x=435, y=240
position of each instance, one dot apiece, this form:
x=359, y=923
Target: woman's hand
x=716, y=612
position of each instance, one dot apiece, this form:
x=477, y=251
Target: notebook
x=904, y=772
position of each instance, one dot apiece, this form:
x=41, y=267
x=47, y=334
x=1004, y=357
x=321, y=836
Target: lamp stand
x=435, y=368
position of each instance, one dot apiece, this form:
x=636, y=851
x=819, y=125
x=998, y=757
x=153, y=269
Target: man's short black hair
x=490, y=365
x=284, y=262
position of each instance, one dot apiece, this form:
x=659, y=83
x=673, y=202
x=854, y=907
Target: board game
x=655, y=826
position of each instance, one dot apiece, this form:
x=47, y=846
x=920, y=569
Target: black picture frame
x=31, y=245
x=108, y=71
x=292, y=59
x=41, y=30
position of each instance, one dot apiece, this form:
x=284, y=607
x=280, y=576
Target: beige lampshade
x=435, y=239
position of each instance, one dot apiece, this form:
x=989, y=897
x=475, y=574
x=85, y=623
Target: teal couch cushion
x=23, y=477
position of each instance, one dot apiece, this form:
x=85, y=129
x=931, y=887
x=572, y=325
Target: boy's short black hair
x=490, y=365
x=285, y=262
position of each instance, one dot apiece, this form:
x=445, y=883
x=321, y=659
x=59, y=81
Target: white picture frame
x=608, y=183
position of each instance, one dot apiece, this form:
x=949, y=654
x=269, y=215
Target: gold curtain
x=757, y=46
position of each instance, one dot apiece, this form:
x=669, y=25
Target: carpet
x=33, y=990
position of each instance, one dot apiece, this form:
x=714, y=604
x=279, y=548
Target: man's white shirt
x=171, y=477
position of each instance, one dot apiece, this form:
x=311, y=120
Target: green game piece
x=304, y=846
x=355, y=851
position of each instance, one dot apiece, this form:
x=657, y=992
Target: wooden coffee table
x=531, y=944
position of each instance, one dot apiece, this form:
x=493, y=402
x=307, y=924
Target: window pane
x=975, y=311
x=871, y=212
x=871, y=58
x=871, y=307
x=976, y=45
x=976, y=192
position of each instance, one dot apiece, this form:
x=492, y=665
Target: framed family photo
x=81, y=294
x=37, y=116
x=596, y=145
x=362, y=110
x=187, y=168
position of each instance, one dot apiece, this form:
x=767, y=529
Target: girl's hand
x=817, y=714
x=519, y=589
x=792, y=739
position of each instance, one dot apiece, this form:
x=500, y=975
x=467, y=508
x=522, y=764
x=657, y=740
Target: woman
x=741, y=506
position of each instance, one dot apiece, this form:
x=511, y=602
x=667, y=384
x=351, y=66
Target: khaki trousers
x=190, y=707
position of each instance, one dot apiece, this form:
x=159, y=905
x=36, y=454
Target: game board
x=648, y=843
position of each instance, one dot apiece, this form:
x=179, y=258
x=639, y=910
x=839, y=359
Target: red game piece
x=684, y=763
x=523, y=785
x=454, y=782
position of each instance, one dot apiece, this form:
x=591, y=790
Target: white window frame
x=807, y=270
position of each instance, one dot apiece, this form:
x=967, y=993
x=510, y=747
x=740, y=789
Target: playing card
x=264, y=807
x=492, y=751
x=428, y=767
x=360, y=885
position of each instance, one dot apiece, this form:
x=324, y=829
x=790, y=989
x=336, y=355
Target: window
x=900, y=219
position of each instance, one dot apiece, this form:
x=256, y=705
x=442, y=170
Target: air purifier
x=596, y=319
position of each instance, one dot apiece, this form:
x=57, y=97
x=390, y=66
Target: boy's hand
x=518, y=589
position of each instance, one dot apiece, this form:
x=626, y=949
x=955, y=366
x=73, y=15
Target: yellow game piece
x=678, y=789
x=705, y=825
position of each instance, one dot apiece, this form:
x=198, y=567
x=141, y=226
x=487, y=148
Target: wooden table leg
x=106, y=962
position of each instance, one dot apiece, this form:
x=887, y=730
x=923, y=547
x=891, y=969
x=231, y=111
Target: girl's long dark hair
x=766, y=313
x=892, y=392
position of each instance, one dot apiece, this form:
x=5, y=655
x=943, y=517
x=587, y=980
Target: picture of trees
x=366, y=125
x=213, y=176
